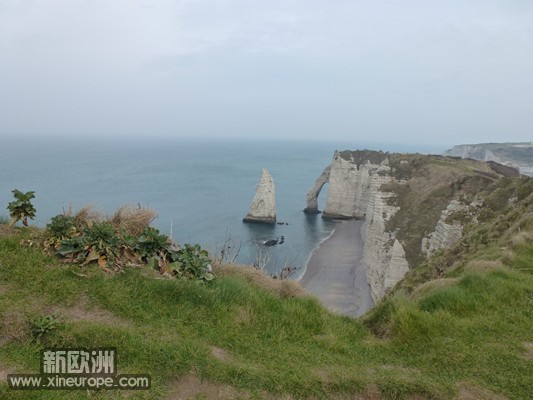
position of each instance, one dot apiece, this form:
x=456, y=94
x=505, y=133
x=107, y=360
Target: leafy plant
x=102, y=243
x=60, y=227
x=191, y=261
x=21, y=208
x=45, y=324
x=150, y=243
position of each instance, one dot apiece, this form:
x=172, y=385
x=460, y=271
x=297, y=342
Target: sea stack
x=263, y=208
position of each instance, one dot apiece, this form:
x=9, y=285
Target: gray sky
x=413, y=71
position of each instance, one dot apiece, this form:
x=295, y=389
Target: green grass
x=472, y=330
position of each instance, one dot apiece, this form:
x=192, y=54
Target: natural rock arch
x=311, y=206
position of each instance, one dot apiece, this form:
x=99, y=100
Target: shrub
x=60, y=227
x=114, y=243
x=150, y=243
x=21, y=208
x=191, y=261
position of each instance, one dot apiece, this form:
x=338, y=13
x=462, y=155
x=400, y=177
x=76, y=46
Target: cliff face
x=263, y=208
x=412, y=204
x=383, y=255
x=517, y=155
x=350, y=182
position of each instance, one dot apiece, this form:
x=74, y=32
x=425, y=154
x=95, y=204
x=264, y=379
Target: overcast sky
x=413, y=71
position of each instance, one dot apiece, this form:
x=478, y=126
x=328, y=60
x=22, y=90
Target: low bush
x=123, y=240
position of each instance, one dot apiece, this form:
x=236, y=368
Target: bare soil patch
x=14, y=326
x=220, y=354
x=471, y=392
x=191, y=386
x=6, y=230
x=528, y=351
x=83, y=310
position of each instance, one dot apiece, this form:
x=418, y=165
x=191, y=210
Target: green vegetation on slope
x=425, y=186
x=457, y=327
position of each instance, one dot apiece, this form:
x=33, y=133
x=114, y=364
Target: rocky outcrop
x=311, y=201
x=263, y=208
x=349, y=184
x=449, y=229
x=516, y=155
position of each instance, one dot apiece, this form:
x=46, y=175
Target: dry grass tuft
x=484, y=265
x=87, y=216
x=427, y=287
x=132, y=219
x=280, y=287
x=522, y=238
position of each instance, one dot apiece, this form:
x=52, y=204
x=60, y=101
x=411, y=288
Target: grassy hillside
x=424, y=187
x=459, y=326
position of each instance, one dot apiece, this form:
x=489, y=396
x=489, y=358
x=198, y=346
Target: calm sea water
x=201, y=190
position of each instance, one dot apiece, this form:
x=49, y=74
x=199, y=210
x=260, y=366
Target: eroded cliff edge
x=413, y=204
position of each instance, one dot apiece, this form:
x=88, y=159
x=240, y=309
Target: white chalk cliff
x=348, y=188
x=371, y=185
x=263, y=208
x=355, y=192
x=517, y=155
x=383, y=254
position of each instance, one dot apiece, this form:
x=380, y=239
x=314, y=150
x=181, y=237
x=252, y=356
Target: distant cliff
x=517, y=155
x=413, y=205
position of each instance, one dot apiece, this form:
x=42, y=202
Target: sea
x=200, y=189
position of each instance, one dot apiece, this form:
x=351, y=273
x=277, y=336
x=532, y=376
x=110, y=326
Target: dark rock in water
x=274, y=242
x=281, y=223
x=312, y=211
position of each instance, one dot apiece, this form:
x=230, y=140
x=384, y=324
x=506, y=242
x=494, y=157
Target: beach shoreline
x=335, y=272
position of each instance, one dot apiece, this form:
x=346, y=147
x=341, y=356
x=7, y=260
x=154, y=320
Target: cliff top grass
x=362, y=156
x=244, y=336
